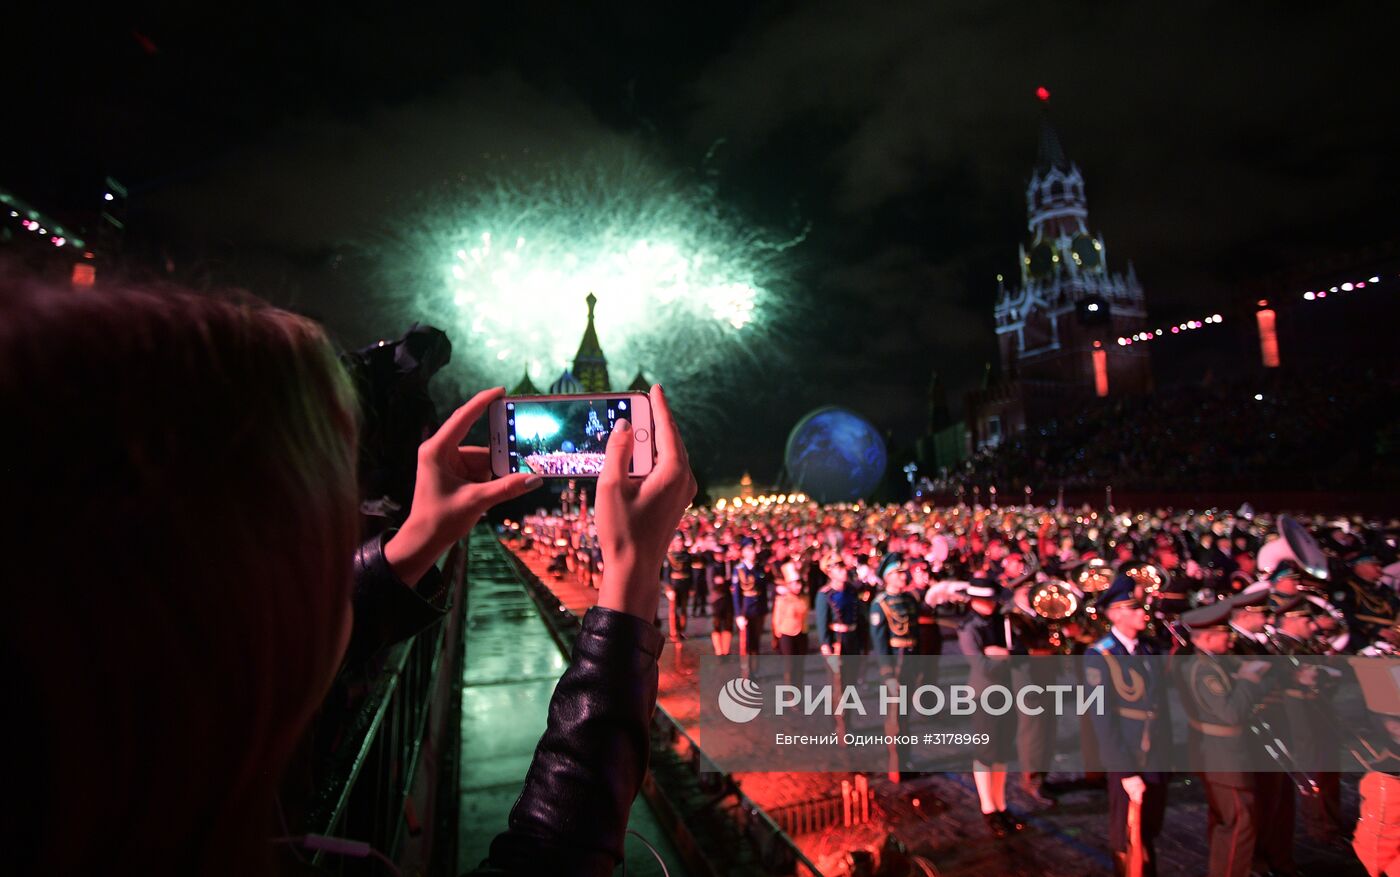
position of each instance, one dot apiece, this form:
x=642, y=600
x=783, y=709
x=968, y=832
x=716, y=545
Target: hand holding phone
x=453, y=490
x=637, y=516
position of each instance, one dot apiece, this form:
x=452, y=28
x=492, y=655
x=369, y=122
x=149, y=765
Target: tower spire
x=590, y=366
x=1049, y=154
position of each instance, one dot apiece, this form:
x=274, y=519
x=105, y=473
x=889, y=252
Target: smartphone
x=566, y=436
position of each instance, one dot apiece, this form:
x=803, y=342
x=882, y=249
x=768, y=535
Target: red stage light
x=1100, y=357
x=1268, y=339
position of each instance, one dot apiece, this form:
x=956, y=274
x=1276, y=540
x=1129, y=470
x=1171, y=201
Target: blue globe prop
x=835, y=455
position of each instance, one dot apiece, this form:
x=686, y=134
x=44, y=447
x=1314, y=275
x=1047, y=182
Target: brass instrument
x=1296, y=544
x=1150, y=578
x=1094, y=576
x=1092, y=579
x=1051, y=602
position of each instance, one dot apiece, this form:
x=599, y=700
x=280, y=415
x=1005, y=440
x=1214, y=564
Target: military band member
x=750, y=598
x=894, y=613
x=1306, y=716
x=1249, y=620
x=894, y=634
x=838, y=613
x=1245, y=571
x=1133, y=727
x=720, y=572
x=982, y=638
x=677, y=586
x=1377, y=836
x=701, y=558
x=1035, y=732
x=1275, y=793
x=1219, y=707
x=1371, y=609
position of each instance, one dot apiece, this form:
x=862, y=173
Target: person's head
x=1212, y=641
x=1297, y=624
x=1367, y=568
x=1013, y=566
x=748, y=551
x=1128, y=616
x=919, y=575
x=983, y=595
x=895, y=579
x=1251, y=619
x=1286, y=579
x=186, y=467
x=982, y=605
x=1210, y=626
x=1245, y=561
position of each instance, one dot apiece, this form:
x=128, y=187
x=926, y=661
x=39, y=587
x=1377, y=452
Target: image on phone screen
x=561, y=436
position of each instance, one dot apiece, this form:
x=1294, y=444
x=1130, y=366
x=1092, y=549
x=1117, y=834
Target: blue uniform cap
x=890, y=561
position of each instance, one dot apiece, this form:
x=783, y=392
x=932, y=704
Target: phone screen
x=562, y=436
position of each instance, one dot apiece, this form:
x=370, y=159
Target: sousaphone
x=1294, y=543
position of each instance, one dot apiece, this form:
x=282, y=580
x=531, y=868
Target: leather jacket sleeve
x=387, y=610
x=588, y=767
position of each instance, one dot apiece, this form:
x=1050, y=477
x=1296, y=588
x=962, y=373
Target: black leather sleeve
x=387, y=610
x=588, y=767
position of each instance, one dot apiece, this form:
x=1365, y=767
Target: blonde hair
x=180, y=470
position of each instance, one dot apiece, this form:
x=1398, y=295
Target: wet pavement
x=511, y=667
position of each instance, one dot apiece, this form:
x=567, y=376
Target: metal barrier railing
x=777, y=852
x=849, y=806
x=393, y=775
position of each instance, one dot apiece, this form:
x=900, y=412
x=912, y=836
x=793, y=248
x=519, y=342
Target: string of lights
x=34, y=222
x=1315, y=295
x=761, y=501
x=1187, y=326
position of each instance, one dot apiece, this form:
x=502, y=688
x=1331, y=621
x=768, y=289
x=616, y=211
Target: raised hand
x=637, y=517
x=454, y=489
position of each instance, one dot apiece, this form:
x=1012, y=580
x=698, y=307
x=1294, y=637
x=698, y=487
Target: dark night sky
x=1219, y=142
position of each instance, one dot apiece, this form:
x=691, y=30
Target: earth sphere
x=835, y=455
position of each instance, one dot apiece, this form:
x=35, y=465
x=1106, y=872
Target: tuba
x=1296, y=544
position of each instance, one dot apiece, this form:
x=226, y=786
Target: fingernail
x=533, y=481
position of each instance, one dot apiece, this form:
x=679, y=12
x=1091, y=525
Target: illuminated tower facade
x=1068, y=298
x=1057, y=328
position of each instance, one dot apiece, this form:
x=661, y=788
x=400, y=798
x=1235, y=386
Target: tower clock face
x=1087, y=251
x=1042, y=259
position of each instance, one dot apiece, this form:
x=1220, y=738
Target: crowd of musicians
x=1114, y=587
